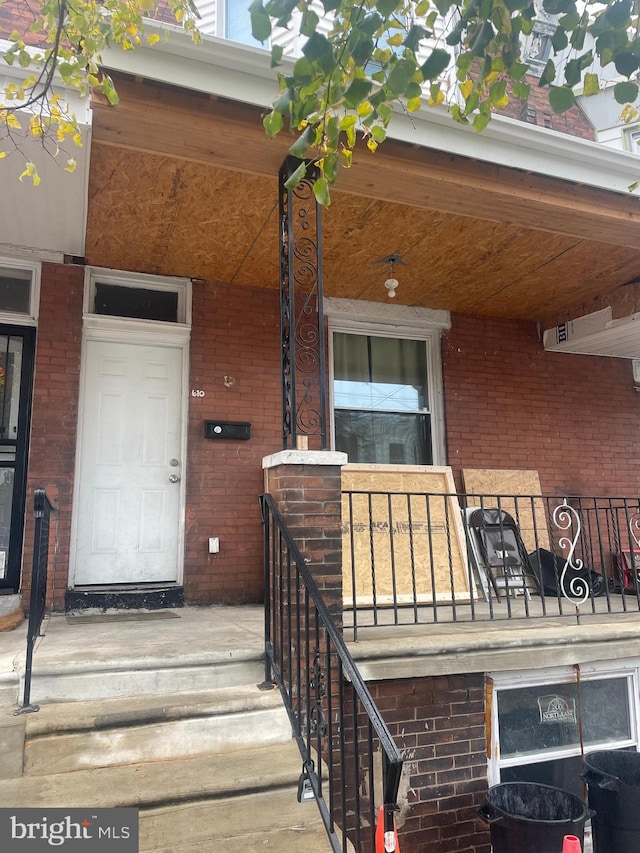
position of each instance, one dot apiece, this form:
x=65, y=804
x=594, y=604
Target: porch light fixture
x=392, y=282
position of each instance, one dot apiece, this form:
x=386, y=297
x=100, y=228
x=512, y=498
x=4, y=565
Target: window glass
x=380, y=396
x=15, y=290
x=238, y=23
x=140, y=303
x=546, y=718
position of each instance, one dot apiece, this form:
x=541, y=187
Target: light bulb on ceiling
x=391, y=285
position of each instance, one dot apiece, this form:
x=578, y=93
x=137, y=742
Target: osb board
x=440, y=561
x=497, y=481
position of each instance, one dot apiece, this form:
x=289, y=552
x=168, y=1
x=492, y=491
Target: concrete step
x=81, y=679
x=246, y=799
x=242, y=824
x=63, y=738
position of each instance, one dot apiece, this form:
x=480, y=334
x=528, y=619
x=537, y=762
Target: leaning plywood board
x=528, y=512
x=406, y=521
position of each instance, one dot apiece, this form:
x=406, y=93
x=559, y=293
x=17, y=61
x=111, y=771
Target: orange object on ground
x=386, y=842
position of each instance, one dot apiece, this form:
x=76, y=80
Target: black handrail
x=336, y=724
x=42, y=508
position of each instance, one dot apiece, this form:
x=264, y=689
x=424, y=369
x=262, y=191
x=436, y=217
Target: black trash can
x=613, y=777
x=526, y=817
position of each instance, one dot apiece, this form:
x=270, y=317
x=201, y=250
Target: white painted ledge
x=305, y=457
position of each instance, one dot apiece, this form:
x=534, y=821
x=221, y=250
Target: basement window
x=541, y=729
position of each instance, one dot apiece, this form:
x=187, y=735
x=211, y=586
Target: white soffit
x=597, y=334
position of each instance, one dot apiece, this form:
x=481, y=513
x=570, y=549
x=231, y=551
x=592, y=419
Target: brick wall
x=55, y=415
x=439, y=722
x=536, y=110
x=508, y=404
x=309, y=498
x=235, y=333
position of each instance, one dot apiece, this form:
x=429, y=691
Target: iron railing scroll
x=350, y=761
x=42, y=508
x=304, y=414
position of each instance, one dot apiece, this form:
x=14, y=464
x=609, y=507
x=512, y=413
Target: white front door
x=128, y=516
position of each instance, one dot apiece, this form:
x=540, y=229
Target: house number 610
x=196, y=392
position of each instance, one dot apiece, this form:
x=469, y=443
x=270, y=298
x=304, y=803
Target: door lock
x=173, y=462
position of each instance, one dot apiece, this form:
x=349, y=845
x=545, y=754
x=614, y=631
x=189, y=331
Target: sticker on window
x=557, y=709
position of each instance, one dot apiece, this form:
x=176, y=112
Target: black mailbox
x=230, y=430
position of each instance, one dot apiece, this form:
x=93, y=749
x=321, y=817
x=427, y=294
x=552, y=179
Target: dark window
x=140, y=303
x=15, y=290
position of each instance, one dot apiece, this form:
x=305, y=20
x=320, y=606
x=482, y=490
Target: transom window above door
x=381, y=399
x=135, y=296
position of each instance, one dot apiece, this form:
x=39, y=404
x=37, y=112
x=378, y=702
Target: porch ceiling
x=197, y=195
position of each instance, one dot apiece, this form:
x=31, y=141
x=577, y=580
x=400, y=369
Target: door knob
x=173, y=478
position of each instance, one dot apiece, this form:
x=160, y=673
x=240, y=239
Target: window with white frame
x=543, y=723
x=137, y=296
x=386, y=389
x=19, y=291
x=237, y=23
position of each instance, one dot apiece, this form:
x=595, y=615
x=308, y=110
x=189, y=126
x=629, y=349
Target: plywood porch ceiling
x=164, y=200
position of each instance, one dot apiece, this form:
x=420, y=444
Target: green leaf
x=318, y=49
x=626, y=64
x=414, y=37
x=439, y=62
x=548, y=75
x=260, y=21
x=573, y=72
x=306, y=138
x=498, y=94
x=295, y=177
x=330, y=163
x=387, y=7
x=400, y=76
x=617, y=14
x=482, y=39
x=591, y=84
x=321, y=192
x=521, y=90
x=357, y=92
x=517, y=70
x=556, y=7
x=309, y=22
x=272, y=123
x=561, y=99
x=481, y=121
x=625, y=93
x=276, y=55
x=559, y=40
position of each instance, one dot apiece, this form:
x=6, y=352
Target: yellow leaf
x=154, y=38
x=439, y=99
x=132, y=29
x=3, y=154
x=31, y=172
x=13, y=122
x=466, y=88
x=502, y=102
x=371, y=144
x=413, y=104
x=71, y=165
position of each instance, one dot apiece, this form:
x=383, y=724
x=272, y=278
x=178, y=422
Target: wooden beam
x=189, y=126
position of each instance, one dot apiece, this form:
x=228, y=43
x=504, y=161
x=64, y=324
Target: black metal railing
x=413, y=557
x=42, y=508
x=350, y=763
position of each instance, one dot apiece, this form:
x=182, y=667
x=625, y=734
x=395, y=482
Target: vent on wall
x=597, y=334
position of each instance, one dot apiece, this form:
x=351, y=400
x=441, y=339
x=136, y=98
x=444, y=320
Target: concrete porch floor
x=196, y=636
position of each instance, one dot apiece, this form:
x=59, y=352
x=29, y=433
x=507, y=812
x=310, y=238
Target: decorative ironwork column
x=304, y=392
